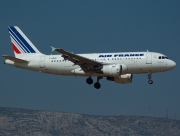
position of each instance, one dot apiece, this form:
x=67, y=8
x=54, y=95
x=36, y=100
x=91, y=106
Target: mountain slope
x=31, y=122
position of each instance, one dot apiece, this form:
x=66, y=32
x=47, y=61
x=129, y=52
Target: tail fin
x=20, y=43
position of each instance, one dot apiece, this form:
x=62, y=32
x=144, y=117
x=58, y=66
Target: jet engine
x=114, y=70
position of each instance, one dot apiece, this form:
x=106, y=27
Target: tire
x=89, y=81
x=97, y=85
x=150, y=82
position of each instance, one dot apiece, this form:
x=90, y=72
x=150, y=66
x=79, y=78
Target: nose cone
x=172, y=64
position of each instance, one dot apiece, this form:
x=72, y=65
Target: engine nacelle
x=78, y=71
x=114, y=70
x=124, y=79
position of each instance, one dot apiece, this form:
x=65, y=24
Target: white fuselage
x=118, y=67
x=136, y=63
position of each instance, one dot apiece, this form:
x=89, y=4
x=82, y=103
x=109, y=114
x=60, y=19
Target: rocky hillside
x=23, y=122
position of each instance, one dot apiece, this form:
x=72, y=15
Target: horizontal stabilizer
x=15, y=59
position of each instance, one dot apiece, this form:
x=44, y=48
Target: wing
x=85, y=63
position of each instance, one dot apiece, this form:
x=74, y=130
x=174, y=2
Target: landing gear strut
x=149, y=77
x=97, y=85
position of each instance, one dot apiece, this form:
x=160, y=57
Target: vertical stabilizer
x=21, y=44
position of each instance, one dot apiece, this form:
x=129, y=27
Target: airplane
x=118, y=66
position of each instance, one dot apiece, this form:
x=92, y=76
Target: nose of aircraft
x=172, y=64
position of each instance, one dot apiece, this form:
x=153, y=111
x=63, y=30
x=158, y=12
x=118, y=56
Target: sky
x=88, y=27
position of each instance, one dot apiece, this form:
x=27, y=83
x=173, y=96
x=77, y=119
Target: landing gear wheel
x=89, y=81
x=150, y=82
x=97, y=85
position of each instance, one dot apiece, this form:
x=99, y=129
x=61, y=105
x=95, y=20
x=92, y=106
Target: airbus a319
x=118, y=67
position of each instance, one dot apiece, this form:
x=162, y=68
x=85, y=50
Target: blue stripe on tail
x=17, y=43
x=21, y=45
x=21, y=40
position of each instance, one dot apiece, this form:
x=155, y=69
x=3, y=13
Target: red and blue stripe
x=20, y=45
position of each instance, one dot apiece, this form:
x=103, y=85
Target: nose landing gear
x=149, y=77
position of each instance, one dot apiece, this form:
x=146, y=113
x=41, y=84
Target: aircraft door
x=42, y=63
x=148, y=58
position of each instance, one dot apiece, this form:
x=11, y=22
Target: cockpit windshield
x=163, y=57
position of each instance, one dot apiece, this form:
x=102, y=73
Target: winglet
x=58, y=50
x=53, y=49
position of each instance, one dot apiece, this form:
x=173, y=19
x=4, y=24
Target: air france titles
x=120, y=55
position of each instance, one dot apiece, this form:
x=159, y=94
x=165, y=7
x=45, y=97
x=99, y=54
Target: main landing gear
x=97, y=85
x=149, y=77
x=89, y=81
